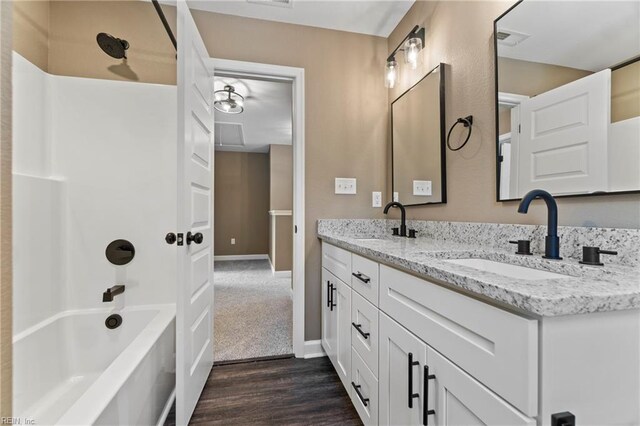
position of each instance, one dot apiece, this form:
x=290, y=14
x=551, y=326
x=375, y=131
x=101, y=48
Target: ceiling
x=266, y=120
x=587, y=35
x=374, y=17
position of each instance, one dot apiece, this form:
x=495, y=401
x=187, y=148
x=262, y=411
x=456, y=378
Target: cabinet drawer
x=364, y=278
x=496, y=347
x=364, y=317
x=460, y=399
x=337, y=261
x=364, y=382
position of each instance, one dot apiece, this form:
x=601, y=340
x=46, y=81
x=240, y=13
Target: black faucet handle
x=412, y=233
x=524, y=246
x=395, y=231
x=591, y=255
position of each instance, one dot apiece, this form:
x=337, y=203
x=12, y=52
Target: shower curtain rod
x=165, y=23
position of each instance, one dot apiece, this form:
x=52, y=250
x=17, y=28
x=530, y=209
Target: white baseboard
x=167, y=408
x=242, y=257
x=313, y=349
x=282, y=274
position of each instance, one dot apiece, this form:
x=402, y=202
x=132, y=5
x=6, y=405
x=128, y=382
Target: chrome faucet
x=107, y=296
x=403, y=216
x=552, y=241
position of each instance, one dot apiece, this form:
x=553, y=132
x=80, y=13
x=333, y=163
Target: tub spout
x=107, y=296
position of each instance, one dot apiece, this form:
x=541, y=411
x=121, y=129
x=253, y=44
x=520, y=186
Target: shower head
x=112, y=46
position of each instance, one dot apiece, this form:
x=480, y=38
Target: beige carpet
x=252, y=311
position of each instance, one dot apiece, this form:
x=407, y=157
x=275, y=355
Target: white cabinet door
x=459, y=399
x=342, y=312
x=328, y=317
x=402, y=360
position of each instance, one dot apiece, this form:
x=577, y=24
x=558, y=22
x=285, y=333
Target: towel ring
x=467, y=122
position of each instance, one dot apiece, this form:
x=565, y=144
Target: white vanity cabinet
x=336, y=310
x=487, y=364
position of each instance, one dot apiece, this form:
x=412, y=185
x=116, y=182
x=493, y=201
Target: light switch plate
x=346, y=186
x=376, y=199
x=422, y=188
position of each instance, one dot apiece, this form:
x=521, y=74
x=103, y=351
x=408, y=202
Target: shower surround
x=94, y=161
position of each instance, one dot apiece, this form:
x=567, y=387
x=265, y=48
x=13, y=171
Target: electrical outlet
x=233, y=241
x=396, y=197
x=422, y=188
x=376, y=199
x=345, y=186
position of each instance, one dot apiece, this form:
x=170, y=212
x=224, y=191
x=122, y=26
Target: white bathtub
x=72, y=370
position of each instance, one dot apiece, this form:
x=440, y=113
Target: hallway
x=253, y=311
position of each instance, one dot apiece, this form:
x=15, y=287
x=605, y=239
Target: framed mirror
x=568, y=98
x=418, y=142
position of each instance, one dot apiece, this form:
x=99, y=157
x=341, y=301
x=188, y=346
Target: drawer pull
x=411, y=395
x=425, y=407
x=365, y=401
x=359, y=328
x=362, y=277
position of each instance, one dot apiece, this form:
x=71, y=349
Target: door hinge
x=519, y=128
x=295, y=229
x=180, y=239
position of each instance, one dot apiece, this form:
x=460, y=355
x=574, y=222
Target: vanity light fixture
x=411, y=45
x=228, y=101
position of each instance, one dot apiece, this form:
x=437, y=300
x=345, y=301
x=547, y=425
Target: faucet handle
x=412, y=233
x=524, y=246
x=591, y=255
x=395, y=231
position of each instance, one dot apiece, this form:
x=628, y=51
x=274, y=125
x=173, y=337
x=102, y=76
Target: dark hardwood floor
x=275, y=392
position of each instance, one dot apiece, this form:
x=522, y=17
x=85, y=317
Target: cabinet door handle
x=362, y=277
x=411, y=395
x=365, y=401
x=425, y=407
x=331, y=304
x=359, y=328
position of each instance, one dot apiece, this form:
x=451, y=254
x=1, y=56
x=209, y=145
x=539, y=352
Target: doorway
x=259, y=193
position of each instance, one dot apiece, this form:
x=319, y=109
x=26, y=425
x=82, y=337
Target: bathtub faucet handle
x=107, y=296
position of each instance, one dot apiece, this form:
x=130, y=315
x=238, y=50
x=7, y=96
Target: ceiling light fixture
x=411, y=45
x=228, y=101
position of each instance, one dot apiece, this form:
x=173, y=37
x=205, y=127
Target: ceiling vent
x=279, y=3
x=228, y=135
x=510, y=38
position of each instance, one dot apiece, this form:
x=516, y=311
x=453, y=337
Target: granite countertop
x=585, y=289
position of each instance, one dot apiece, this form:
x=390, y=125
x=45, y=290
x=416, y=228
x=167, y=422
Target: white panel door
x=342, y=311
x=328, y=316
x=459, y=399
x=194, y=316
x=400, y=384
x=563, y=140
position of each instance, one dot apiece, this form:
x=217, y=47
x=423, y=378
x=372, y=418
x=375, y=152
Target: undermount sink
x=369, y=239
x=507, y=269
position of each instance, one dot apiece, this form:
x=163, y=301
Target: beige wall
x=281, y=198
x=461, y=35
x=346, y=117
x=60, y=37
x=625, y=92
x=5, y=211
x=31, y=31
x=241, y=203
x=281, y=177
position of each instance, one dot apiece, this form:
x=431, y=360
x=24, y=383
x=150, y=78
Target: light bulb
x=411, y=52
x=226, y=106
x=391, y=74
